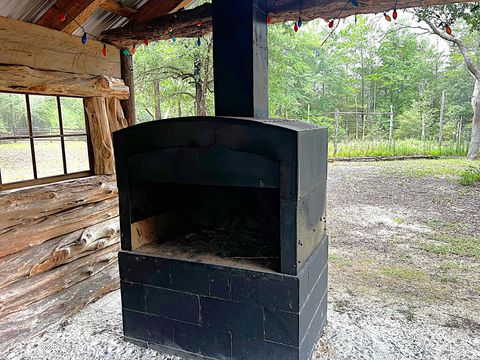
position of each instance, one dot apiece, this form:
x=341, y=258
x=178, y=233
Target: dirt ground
x=404, y=271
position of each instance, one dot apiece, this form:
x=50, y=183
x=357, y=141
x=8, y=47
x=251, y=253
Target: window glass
x=44, y=112
x=15, y=161
x=13, y=115
x=48, y=156
x=73, y=116
x=76, y=150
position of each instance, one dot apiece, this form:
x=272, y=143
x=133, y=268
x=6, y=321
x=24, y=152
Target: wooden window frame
x=31, y=137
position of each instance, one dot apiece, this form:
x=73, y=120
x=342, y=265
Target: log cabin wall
x=59, y=241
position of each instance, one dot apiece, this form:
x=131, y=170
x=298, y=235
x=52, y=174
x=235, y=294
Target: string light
x=395, y=14
x=62, y=17
x=84, y=38
x=299, y=22
x=125, y=52
x=387, y=17
x=295, y=27
x=355, y=3
x=133, y=50
x=448, y=29
x=174, y=39
x=145, y=42
x=199, y=41
x=199, y=23
x=104, y=50
x=269, y=19
x=331, y=23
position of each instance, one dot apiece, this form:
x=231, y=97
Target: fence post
x=390, y=133
x=423, y=130
x=308, y=112
x=442, y=110
x=335, y=133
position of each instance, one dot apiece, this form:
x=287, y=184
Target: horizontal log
x=184, y=23
x=31, y=233
x=41, y=48
x=35, y=203
x=58, y=251
x=21, y=325
x=22, y=294
x=23, y=79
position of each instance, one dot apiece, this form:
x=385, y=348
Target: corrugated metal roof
x=31, y=10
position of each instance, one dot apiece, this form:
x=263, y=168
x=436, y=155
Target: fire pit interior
x=236, y=226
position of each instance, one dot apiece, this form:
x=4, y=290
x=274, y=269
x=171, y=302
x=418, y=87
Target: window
x=42, y=139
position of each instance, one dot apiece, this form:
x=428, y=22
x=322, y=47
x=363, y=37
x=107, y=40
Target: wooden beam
x=117, y=8
x=32, y=216
x=23, y=79
x=82, y=17
x=182, y=24
x=23, y=324
x=126, y=62
x=58, y=251
x=153, y=9
x=75, y=10
x=40, y=48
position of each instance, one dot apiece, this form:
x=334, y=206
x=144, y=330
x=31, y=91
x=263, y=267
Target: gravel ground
x=404, y=273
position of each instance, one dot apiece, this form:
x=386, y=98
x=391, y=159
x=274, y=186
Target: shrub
x=470, y=176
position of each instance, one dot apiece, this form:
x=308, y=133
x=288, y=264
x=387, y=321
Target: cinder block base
x=203, y=311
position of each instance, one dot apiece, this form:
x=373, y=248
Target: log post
x=128, y=105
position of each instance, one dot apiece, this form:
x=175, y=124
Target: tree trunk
x=199, y=93
x=158, y=108
x=442, y=117
x=473, y=150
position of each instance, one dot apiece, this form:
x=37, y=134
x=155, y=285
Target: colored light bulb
x=355, y=3
x=104, y=50
x=299, y=22
x=295, y=27
x=199, y=23
x=395, y=14
x=145, y=41
x=199, y=42
x=448, y=29
x=174, y=39
x=62, y=17
x=331, y=23
x=84, y=38
x=387, y=17
x=125, y=52
x=269, y=19
x=133, y=50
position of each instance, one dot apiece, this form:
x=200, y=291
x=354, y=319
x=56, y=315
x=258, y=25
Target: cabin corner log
x=23, y=324
x=104, y=117
x=58, y=251
x=34, y=215
x=23, y=79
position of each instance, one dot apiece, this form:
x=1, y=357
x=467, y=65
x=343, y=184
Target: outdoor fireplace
x=224, y=249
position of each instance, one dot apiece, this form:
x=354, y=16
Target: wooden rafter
x=154, y=8
x=180, y=24
x=117, y=8
x=74, y=9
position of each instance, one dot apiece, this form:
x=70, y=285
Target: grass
x=406, y=147
x=470, y=176
x=454, y=245
x=405, y=273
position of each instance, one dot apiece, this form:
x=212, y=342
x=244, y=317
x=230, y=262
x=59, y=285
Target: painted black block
x=254, y=349
x=172, y=304
x=149, y=270
x=248, y=318
x=202, y=340
x=247, y=321
x=133, y=296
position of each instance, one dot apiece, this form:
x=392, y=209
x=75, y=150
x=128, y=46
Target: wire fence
x=359, y=134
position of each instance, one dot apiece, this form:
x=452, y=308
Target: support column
x=128, y=105
x=240, y=56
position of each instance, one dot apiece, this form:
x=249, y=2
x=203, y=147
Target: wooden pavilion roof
x=127, y=22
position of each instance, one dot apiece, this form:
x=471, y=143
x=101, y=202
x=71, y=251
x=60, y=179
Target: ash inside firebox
x=233, y=246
